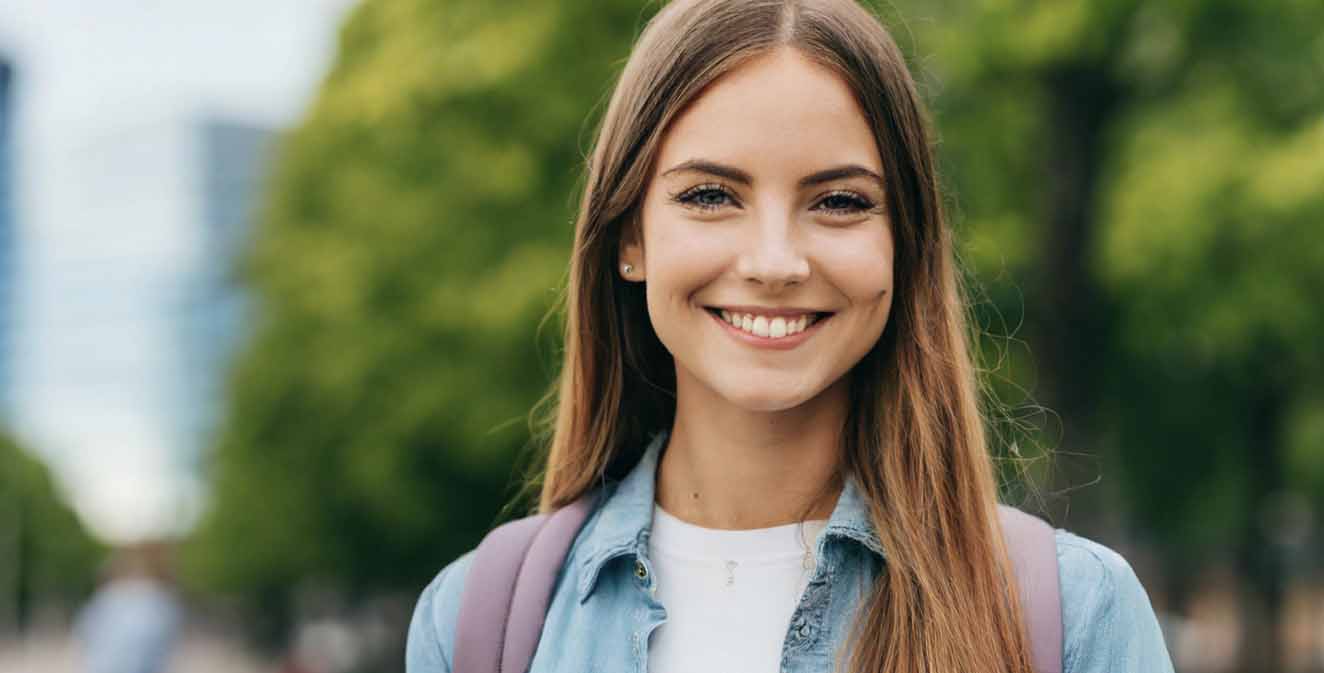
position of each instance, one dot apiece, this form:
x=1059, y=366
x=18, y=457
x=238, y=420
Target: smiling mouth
x=772, y=326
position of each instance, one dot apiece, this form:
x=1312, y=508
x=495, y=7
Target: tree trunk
x=1070, y=314
x=1260, y=555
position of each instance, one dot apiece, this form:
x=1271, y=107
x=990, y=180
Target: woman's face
x=766, y=202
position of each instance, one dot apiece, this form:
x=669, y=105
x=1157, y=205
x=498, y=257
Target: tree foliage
x=1147, y=175
x=414, y=236
x=1191, y=137
x=46, y=556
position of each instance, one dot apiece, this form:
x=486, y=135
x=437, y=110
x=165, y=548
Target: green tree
x=46, y=556
x=414, y=236
x=1149, y=174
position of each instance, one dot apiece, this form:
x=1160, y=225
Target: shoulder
x=430, y=643
x=1108, y=623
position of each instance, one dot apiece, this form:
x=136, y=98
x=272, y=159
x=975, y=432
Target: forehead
x=777, y=113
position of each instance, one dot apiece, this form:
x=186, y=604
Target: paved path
x=198, y=652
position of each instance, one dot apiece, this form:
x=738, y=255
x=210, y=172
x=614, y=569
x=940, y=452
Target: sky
x=105, y=91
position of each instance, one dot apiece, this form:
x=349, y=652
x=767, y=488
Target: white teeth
x=761, y=326
x=772, y=328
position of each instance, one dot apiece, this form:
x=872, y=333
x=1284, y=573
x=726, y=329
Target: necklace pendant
x=730, y=573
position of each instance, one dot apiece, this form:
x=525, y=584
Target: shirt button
x=640, y=571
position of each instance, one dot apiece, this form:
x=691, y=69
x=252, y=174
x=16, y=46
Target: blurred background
x=273, y=277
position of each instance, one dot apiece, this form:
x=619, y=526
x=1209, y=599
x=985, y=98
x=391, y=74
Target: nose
x=773, y=257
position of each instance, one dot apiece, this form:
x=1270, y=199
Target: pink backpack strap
x=1033, y=551
x=514, y=571
x=508, y=588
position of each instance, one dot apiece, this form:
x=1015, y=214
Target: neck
x=731, y=468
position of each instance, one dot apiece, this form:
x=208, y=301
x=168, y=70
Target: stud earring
x=626, y=268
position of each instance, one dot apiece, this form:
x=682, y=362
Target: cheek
x=681, y=257
x=860, y=264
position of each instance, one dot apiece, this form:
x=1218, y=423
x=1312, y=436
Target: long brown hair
x=914, y=440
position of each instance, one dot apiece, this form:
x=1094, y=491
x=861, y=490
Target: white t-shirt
x=728, y=594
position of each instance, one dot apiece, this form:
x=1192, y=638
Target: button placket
x=643, y=574
x=648, y=615
x=800, y=630
x=811, y=611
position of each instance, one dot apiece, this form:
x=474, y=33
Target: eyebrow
x=736, y=175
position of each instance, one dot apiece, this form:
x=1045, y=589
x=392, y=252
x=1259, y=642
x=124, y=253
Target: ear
x=631, y=250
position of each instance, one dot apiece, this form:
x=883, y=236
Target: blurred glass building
x=6, y=234
x=230, y=162
x=142, y=296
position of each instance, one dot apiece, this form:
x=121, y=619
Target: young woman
x=767, y=381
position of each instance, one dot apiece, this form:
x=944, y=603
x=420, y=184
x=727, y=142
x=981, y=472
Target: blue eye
x=704, y=197
x=713, y=196
x=843, y=203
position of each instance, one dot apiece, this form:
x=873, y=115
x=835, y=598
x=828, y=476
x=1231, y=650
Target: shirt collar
x=625, y=520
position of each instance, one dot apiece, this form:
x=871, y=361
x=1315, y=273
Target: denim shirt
x=604, y=603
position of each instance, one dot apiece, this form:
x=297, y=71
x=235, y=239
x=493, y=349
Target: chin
x=766, y=400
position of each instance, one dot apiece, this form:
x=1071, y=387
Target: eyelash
x=689, y=199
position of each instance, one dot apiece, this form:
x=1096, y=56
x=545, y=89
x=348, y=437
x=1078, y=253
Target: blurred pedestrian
x=131, y=623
